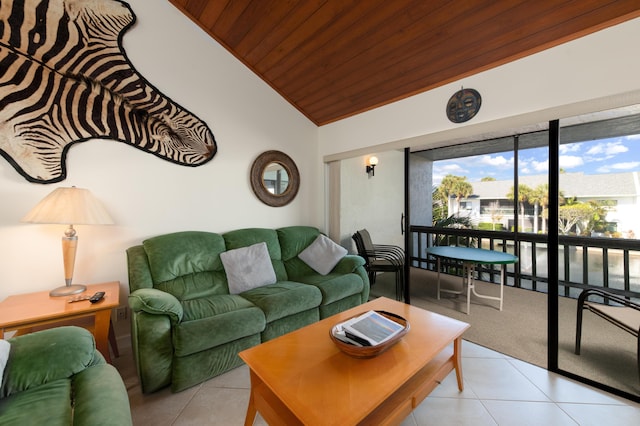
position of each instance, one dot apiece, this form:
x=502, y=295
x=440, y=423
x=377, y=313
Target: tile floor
x=499, y=390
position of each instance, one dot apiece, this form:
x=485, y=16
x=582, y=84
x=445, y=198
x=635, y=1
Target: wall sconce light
x=373, y=161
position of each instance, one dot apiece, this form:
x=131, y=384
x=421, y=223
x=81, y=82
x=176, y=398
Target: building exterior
x=489, y=202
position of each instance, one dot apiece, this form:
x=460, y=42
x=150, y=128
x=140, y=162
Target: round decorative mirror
x=274, y=178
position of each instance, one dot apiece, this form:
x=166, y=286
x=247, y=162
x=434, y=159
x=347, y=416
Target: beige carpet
x=608, y=354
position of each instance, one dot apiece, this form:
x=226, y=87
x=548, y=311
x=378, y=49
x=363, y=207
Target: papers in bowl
x=368, y=329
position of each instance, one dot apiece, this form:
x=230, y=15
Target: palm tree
x=455, y=186
x=535, y=200
x=443, y=192
x=440, y=204
x=524, y=194
x=539, y=197
x=462, y=190
x=542, y=198
x=544, y=203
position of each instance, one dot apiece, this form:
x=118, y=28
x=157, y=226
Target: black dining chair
x=381, y=258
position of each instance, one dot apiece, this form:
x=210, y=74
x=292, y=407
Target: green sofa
x=186, y=325
x=57, y=377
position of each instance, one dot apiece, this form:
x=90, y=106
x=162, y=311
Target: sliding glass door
x=598, y=251
x=563, y=196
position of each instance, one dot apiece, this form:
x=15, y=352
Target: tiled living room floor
x=498, y=391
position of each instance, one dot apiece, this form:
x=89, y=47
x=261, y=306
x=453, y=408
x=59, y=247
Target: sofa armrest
x=156, y=302
x=138, y=269
x=100, y=397
x=348, y=264
x=354, y=264
x=48, y=355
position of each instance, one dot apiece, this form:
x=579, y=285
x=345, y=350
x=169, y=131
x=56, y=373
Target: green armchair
x=57, y=377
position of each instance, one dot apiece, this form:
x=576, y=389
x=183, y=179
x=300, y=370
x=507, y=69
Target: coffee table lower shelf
x=392, y=411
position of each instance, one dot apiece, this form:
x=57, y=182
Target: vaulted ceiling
x=332, y=59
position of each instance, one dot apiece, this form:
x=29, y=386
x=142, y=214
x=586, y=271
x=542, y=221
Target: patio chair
x=381, y=258
x=624, y=314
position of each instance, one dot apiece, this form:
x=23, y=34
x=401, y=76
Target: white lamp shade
x=71, y=206
x=373, y=160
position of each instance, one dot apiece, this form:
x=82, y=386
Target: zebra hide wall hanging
x=64, y=78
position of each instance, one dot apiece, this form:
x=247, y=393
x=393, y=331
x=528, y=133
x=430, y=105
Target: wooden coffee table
x=303, y=378
x=24, y=312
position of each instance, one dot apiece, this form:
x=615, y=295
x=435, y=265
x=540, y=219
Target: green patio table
x=470, y=256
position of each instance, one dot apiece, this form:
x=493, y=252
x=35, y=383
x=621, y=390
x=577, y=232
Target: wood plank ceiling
x=332, y=59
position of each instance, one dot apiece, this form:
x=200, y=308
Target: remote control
x=96, y=297
x=79, y=298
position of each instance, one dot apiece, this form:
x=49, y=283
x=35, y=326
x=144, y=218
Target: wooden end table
x=23, y=312
x=302, y=378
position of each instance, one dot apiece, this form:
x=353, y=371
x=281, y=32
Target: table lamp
x=69, y=206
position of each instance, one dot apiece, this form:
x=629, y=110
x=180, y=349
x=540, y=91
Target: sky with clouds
x=615, y=155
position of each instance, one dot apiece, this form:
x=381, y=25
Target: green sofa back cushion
x=70, y=350
x=250, y=236
x=187, y=264
x=294, y=239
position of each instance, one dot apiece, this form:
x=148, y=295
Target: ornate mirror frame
x=257, y=178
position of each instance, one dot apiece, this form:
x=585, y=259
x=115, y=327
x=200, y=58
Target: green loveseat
x=57, y=377
x=186, y=325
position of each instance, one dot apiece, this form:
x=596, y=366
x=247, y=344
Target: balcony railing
x=584, y=262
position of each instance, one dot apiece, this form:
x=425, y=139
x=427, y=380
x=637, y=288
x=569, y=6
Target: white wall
x=148, y=196
x=372, y=202
x=593, y=73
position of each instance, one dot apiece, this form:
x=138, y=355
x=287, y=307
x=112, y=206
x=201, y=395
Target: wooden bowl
x=371, y=351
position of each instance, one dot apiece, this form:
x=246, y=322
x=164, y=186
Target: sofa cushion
x=294, y=239
x=248, y=267
x=250, y=236
x=48, y=404
x=206, y=307
x=182, y=253
x=183, y=263
x=5, y=347
x=215, y=320
x=198, y=284
x=334, y=286
x=288, y=324
x=284, y=298
x=323, y=254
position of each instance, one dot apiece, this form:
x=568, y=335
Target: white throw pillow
x=248, y=267
x=323, y=254
x=4, y=357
